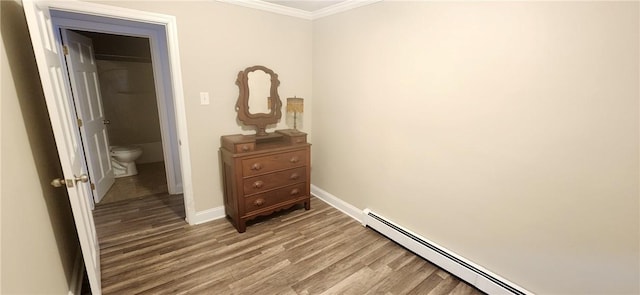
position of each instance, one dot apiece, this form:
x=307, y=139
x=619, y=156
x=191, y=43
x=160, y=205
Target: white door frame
x=162, y=32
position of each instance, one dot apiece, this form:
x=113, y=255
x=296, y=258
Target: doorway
x=127, y=99
x=145, y=47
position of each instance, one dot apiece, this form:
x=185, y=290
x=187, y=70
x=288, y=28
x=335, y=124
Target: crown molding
x=299, y=13
x=270, y=7
x=341, y=7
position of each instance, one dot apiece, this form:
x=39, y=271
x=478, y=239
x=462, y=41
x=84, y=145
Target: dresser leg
x=242, y=226
x=307, y=205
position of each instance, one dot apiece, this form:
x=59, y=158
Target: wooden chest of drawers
x=266, y=174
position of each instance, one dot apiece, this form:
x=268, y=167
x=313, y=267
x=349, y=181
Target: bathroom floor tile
x=151, y=179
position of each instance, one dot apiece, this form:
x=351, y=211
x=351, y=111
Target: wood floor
x=148, y=248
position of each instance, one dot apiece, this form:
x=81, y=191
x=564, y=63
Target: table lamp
x=295, y=105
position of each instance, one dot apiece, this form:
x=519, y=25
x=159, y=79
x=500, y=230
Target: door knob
x=106, y=122
x=82, y=178
x=57, y=182
x=60, y=182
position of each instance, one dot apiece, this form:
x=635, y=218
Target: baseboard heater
x=451, y=262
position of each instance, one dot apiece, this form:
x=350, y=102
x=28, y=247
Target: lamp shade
x=295, y=105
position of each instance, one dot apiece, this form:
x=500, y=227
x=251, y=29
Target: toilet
x=123, y=160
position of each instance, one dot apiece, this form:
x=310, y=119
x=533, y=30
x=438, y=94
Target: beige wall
x=506, y=132
x=128, y=91
x=216, y=41
x=39, y=242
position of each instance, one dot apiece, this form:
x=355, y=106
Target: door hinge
x=65, y=49
x=79, y=122
x=93, y=186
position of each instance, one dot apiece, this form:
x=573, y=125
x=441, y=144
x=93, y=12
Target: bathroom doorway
x=128, y=99
x=137, y=97
x=113, y=86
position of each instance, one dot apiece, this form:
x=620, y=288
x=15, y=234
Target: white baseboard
x=337, y=203
x=77, y=275
x=208, y=215
x=461, y=267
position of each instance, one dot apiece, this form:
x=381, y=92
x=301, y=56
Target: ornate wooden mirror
x=258, y=103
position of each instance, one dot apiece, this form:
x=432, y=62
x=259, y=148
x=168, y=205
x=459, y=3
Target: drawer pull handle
x=294, y=176
x=295, y=191
x=258, y=202
x=245, y=148
x=294, y=159
x=256, y=166
x=258, y=184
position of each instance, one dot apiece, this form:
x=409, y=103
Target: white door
x=85, y=89
x=65, y=130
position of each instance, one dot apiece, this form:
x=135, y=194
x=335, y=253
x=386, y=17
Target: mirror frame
x=259, y=120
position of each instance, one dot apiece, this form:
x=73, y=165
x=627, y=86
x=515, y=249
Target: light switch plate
x=204, y=98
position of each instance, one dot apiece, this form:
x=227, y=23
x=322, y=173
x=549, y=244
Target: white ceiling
x=306, y=5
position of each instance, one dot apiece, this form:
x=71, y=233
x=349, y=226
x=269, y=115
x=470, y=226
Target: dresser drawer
x=238, y=143
x=264, y=182
x=244, y=147
x=259, y=201
x=255, y=166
